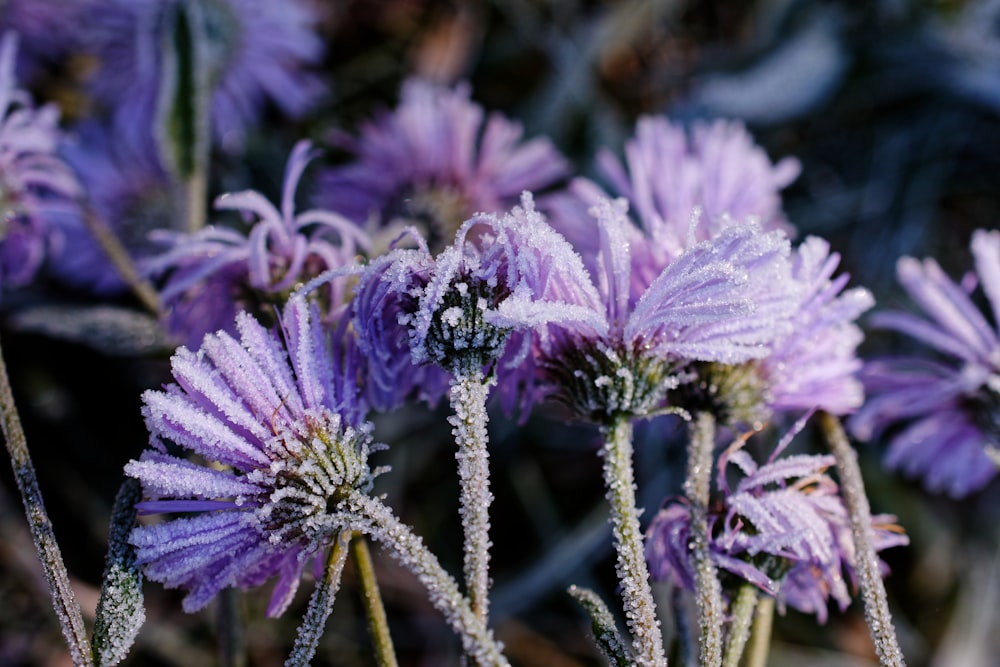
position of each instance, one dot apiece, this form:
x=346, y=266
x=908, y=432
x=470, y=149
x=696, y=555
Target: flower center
x=734, y=393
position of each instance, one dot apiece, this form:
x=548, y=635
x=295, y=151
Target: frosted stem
x=232, y=647
x=370, y=516
x=739, y=628
x=872, y=587
x=708, y=591
x=469, y=391
x=66, y=607
x=640, y=610
x=320, y=605
x=603, y=625
x=760, y=633
x=385, y=654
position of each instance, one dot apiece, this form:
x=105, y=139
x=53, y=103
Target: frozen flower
x=783, y=528
x=256, y=51
x=434, y=162
x=939, y=412
x=216, y=272
x=279, y=438
x=36, y=186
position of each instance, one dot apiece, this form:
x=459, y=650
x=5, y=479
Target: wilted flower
x=939, y=413
x=216, y=272
x=434, y=162
x=282, y=437
x=783, y=528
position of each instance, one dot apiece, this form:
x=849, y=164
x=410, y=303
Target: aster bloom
x=36, y=186
x=783, y=528
x=218, y=271
x=259, y=52
x=938, y=412
x=434, y=162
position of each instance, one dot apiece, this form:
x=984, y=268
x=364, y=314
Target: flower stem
x=760, y=633
x=469, y=391
x=872, y=587
x=708, y=591
x=232, y=648
x=385, y=654
x=640, y=609
x=370, y=516
x=739, y=629
x=320, y=605
x=63, y=601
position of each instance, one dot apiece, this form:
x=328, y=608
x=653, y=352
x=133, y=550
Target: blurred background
x=891, y=106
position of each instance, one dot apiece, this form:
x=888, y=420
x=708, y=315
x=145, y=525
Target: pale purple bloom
x=216, y=272
x=36, y=186
x=938, y=412
x=45, y=27
x=435, y=161
x=783, y=528
x=257, y=51
x=278, y=431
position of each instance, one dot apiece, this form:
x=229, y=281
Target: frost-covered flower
x=216, y=272
x=36, y=186
x=280, y=437
x=940, y=413
x=783, y=528
x=434, y=162
x=725, y=300
x=257, y=51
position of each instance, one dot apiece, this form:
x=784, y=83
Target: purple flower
x=278, y=435
x=938, y=412
x=434, y=162
x=46, y=30
x=216, y=272
x=36, y=185
x=258, y=51
x=783, y=528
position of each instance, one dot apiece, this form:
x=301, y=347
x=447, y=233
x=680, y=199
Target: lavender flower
x=783, y=528
x=36, y=185
x=282, y=436
x=216, y=272
x=938, y=413
x=45, y=26
x=259, y=51
x=434, y=162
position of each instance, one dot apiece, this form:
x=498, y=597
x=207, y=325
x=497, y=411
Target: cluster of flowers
x=450, y=256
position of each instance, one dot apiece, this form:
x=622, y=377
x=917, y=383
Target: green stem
x=63, y=601
x=742, y=611
x=708, y=591
x=760, y=633
x=867, y=565
x=320, y=605
x=469, y=392
x=603, y=625
x=640, y=609
x=232, y=649
x=378, y=625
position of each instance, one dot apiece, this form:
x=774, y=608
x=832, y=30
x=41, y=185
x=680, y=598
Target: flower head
x=939, y=412
x=783, y=528
x=435, y=161
x=282, y=438
x=216, y=272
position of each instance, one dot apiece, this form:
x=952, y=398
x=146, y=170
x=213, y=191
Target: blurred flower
x=257, y=51
x=36, y=186
x=434, y=162
x=783, y=528
x=216, y=272
x=281, y=434
x=939, y=414
x=46, y=30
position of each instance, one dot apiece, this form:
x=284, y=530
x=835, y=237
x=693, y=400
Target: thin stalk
x=378, y=625
x=232, y=647
x=708, y=591
x=760, y=633
x=63, y=601
x=742, y=611
x=122, y=261
x=640, y=609
x=320, y=605
x=858, y=509
x=469, y=391
x=370, y=516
